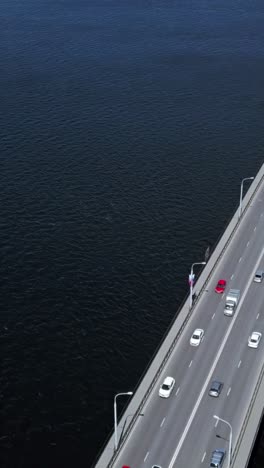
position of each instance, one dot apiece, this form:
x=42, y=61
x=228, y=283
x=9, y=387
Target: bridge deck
x=134, y=410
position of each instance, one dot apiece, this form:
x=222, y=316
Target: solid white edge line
x=196, y=406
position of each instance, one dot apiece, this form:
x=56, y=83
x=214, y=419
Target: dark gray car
x=217, y=459
x=216, y=388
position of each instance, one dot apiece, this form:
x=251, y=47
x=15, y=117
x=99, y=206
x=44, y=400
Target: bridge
x=183, y=430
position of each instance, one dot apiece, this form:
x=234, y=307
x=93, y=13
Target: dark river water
x=126, y=127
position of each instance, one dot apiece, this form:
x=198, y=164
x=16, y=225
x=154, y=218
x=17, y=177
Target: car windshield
x=196, y=337
x=254, y=340
x=165, y=387
x=220, y=285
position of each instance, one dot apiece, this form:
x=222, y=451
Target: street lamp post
x=241, y=194
x=191, y=281
x=115, y=414
x=230, y=439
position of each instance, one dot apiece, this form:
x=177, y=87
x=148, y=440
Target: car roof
x=255, y=334
x=218, y=454
x=168, y=380
x=216, y=384
x=222, y=281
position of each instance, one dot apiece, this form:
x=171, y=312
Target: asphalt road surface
x=180, y=431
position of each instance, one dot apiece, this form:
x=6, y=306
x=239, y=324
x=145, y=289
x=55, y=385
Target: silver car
x=258, y=276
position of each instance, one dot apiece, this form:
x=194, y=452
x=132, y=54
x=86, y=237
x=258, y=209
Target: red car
x=220, y=287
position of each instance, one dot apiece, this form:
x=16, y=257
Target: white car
x=254, y=339
x=197, y=337
x=166, y=388
x=258, y=276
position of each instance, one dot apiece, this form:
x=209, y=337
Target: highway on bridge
x=180, y=431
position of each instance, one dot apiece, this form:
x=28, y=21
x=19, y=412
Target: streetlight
x=191, y=281
x=241, y=194
x=230, y=439
x=115, y=414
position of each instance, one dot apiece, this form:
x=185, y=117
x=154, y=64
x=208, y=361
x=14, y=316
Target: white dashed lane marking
x=229, y=390
x=213, y=316
x=239, y=364
x=203, y=457
x=190, y=364
x=146, y=456
x=178, y=389
x=162, y=422
x=257, y=317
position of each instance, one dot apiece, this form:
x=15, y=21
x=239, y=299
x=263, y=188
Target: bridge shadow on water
x=257, y=456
